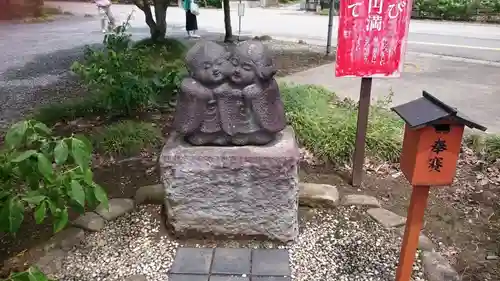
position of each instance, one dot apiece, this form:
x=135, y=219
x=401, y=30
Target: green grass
x=68, y=111
x=487, y=146
x=126, y=138
x=326, y=125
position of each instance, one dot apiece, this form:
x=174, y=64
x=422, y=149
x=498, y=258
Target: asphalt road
x=463, y=40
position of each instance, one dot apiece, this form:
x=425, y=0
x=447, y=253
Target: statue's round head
x=207, y=62
x=250, y=61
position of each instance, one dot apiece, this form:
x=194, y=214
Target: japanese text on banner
x=372, y=37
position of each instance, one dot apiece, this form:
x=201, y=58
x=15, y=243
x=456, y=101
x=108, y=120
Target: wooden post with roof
x=431, y=146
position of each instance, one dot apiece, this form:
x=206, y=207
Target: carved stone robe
x=196, y=109
x=247, y=114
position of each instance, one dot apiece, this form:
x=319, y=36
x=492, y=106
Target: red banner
x=372, y=37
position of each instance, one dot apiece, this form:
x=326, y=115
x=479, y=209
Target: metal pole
x=239, y=21
x=330, y=27
x=359, y=148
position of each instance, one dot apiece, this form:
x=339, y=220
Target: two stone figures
x=230, y=98
x=231, y=167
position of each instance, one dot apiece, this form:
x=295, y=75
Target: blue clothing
x=187, y=5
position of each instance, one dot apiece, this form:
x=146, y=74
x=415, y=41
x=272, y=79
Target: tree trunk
x=227, y=22
x=161, y=19
x=158, y=28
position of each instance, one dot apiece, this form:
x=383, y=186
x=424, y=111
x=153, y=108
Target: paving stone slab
x=386, y=217
x=117, y=207
x=150, y=194
x=138, y=277
x=51, y=263
x=318, y=195
x=361, y=200
x=438, y=268
x=228, y=278
x=192, y=261
x=270, y=262
x=65, y=239
x=231, y=261
x=271, y=278
x=424, y=243
x=90, y=221
x=187, y=277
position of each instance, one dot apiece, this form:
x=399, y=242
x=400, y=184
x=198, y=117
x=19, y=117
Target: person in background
x=104, y=9
x=191, y=20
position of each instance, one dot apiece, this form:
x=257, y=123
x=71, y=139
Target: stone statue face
x=207, y=63
x=211, y=71
x=243, y=73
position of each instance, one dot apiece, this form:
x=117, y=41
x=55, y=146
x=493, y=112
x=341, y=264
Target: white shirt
x=102, y=3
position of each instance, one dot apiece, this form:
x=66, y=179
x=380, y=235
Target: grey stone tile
x=187, y=277
x=271, y=278
x=192, y=261
x=270, y=262
x=228, y=278
x=231, y=261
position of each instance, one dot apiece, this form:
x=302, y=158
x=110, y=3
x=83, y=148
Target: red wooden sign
x=372, y=37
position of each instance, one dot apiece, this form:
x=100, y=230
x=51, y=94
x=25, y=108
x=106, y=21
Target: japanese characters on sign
x=436, y=160
x=372, y=37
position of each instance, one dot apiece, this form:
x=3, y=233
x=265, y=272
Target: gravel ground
x=343, y=244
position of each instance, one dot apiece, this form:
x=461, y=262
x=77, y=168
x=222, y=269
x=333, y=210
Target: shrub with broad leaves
x=44, y=176
x=129, y=78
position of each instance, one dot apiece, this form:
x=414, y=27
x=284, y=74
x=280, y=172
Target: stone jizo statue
x=229, y=98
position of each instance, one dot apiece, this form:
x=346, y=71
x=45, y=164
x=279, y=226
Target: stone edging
x=435, y=266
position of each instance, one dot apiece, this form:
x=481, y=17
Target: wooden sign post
x=431, y=147
x=371, y=43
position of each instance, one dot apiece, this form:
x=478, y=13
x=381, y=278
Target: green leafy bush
x=127, y=138
x=326, y=125
x=455, y=9
x=128, y=78
x=211, y=3
x=32, y=274
x=46, y=176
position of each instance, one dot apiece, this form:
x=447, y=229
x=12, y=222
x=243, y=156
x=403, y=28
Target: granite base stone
x=247, y=190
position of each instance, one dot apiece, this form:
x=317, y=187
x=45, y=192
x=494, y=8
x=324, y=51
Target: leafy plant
x=455, y=9
x=46, y=176
x=211, y=3
x=129, y=78
x=32, y=274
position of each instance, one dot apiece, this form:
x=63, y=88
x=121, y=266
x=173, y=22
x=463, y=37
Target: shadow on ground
x=55, y=63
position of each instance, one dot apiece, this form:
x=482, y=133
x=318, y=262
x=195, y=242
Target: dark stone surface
x=187, y=277
x=192, y=261
x=231, y=261
x=228, y=278
x=230, y=97
x=270, y=262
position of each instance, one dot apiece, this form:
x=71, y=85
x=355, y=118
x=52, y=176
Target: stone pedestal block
x=247, y=190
